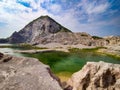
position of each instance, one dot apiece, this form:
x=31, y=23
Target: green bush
x=96, y=37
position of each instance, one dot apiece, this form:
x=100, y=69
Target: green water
x=64, y=64
x=73, y=61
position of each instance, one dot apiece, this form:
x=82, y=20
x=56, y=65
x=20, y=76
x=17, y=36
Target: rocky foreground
x=26, y=74
x=96, y=76
x=30, y=74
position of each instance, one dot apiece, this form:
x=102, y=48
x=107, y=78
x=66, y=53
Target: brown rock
x=96, y=76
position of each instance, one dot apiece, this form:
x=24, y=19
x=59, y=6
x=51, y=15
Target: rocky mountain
x=20, y=73
x=4, y=40
x=44, y=30
x=96, y=76
x=37, y=30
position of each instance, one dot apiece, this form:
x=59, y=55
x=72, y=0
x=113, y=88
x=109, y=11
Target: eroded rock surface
x=44, y=30
x=113, y=40
x=26, y=74
x=96, y=76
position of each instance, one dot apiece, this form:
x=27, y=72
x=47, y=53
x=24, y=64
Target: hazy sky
x=96, y=17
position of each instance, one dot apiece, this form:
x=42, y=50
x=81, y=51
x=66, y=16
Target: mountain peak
x=46, y=16
x=40, y=27
x=49, y=23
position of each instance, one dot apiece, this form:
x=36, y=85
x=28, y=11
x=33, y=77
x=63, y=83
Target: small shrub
x=96, y=37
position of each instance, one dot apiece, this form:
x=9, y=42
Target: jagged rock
x=113, y=40
x=41, y=28
x=96, y=76
x=45, y=30
x=26, y=74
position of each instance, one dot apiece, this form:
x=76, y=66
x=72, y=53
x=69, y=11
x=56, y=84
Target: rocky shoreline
x=96, y=76
x=21, y=73
x=113, y=50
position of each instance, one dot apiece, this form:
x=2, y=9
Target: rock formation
x=45, y=30
x=4, y=40
x=20, y=73
x=26, y=74
x=113, y=40
x=40, y=28
x=96, y=76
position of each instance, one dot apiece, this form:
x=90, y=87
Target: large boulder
x=26, y=74
x=96, y=76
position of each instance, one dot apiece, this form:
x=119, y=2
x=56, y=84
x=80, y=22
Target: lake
x=63, y=64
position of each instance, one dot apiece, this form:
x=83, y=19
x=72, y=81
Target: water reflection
x=1, y=44
x=9, y=51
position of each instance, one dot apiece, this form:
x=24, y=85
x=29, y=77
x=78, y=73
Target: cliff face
x=96, y=76
x=26, y=74
x=45, y=30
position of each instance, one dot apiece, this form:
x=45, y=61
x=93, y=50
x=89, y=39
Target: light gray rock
x=113, y=40
x=96, y=76
x=26, y=74
x=39, y=28
x=44, y=30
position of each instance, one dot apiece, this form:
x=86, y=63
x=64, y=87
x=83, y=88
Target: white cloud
x=91, y=9
x=17, y=19
x=55, y=8
x=21, y=15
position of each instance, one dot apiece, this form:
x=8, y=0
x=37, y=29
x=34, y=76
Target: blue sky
x=96, y=17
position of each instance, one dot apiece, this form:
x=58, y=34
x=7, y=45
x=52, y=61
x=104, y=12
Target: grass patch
x=114, y=56
x=84, y=35
x=72, y=50
x=93, y=49
x=96, y=37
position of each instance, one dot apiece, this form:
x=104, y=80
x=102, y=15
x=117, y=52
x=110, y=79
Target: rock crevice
x=96, y=76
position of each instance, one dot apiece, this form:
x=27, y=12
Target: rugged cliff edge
x=96, y=76
x=26, y=74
